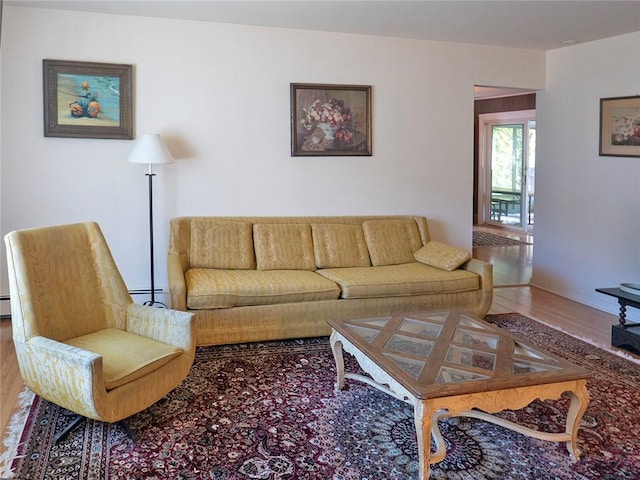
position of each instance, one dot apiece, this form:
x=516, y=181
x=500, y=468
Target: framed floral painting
x=87, y=100
x=330, y=120
x=620, y=127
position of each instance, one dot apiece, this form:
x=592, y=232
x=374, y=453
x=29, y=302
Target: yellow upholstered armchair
x=80, y=340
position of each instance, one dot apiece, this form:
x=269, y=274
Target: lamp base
x=153, y=303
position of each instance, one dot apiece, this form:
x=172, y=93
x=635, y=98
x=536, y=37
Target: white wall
x=219, y=94
x=587, y=231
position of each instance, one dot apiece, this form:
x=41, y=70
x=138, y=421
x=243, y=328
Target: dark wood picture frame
x=620, y=127
x=330, y=120
x=87, y=99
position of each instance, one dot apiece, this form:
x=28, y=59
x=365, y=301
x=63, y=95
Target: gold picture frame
x=330, y=120
x=620, y=127
x=87, y=99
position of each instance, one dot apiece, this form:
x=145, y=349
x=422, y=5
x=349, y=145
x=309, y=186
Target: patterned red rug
x=268, y=411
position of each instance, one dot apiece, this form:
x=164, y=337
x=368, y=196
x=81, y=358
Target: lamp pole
x=150, y=150
x=152, y=302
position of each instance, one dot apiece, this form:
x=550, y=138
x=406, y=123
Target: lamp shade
x=151, y=150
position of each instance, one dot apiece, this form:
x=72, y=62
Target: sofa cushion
x=125, y=356
x=399, y=280
x=336, y=245
x=221, y=244
x=391, y=242
x=441, y=255
x=209, y=288
x=283, y=246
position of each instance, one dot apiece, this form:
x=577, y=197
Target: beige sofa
x=263, y=278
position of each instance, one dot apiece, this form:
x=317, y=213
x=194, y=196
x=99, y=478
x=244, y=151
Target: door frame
x=484, y=179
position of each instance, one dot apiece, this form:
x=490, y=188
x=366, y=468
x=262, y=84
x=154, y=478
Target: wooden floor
x=511, y=275
x=512, y=271
x=10, y=382
x=512, y=264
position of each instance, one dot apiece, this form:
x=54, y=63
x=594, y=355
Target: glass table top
x=427, y=350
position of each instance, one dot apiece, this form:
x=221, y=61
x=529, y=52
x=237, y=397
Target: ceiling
x=536, y=25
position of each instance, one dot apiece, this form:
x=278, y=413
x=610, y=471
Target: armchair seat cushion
x=125, y=356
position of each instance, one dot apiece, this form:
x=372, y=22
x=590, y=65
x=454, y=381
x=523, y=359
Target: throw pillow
x=441, y=255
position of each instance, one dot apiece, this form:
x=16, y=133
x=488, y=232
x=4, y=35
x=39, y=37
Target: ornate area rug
x=487, y=239
x=268, y=411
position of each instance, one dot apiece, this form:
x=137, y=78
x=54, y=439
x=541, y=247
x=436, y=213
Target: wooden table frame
x=427, y=412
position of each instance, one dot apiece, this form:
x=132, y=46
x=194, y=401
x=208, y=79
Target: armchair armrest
x=176, y=268
x=63, y=374
x=161, y=324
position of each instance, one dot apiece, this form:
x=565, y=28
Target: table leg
x=622, y=318
x=336, y=348
x=423, y=416
x=579, y=402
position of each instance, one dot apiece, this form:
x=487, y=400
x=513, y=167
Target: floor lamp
x=151, y=150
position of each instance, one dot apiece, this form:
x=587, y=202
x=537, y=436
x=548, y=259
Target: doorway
x=507, y=143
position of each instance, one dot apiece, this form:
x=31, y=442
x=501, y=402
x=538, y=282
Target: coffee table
x=450, y=364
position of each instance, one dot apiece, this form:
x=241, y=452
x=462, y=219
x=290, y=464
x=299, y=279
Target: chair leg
x=74, y=423
x=79, y=418
x=127, y=429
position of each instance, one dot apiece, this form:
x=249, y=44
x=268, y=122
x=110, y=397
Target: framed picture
x=620, y=126
x=87, y=100
x=330, y=120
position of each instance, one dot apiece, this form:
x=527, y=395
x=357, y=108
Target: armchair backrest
x=63, y=282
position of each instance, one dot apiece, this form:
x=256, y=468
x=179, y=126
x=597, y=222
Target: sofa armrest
x=485, y=271
x=176, y=268
x=482, y=268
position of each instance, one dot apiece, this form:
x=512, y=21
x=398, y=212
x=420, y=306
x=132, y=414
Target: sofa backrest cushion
x=391, y=242
x=336, y=245
x=283, y=246
x=221, y=244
